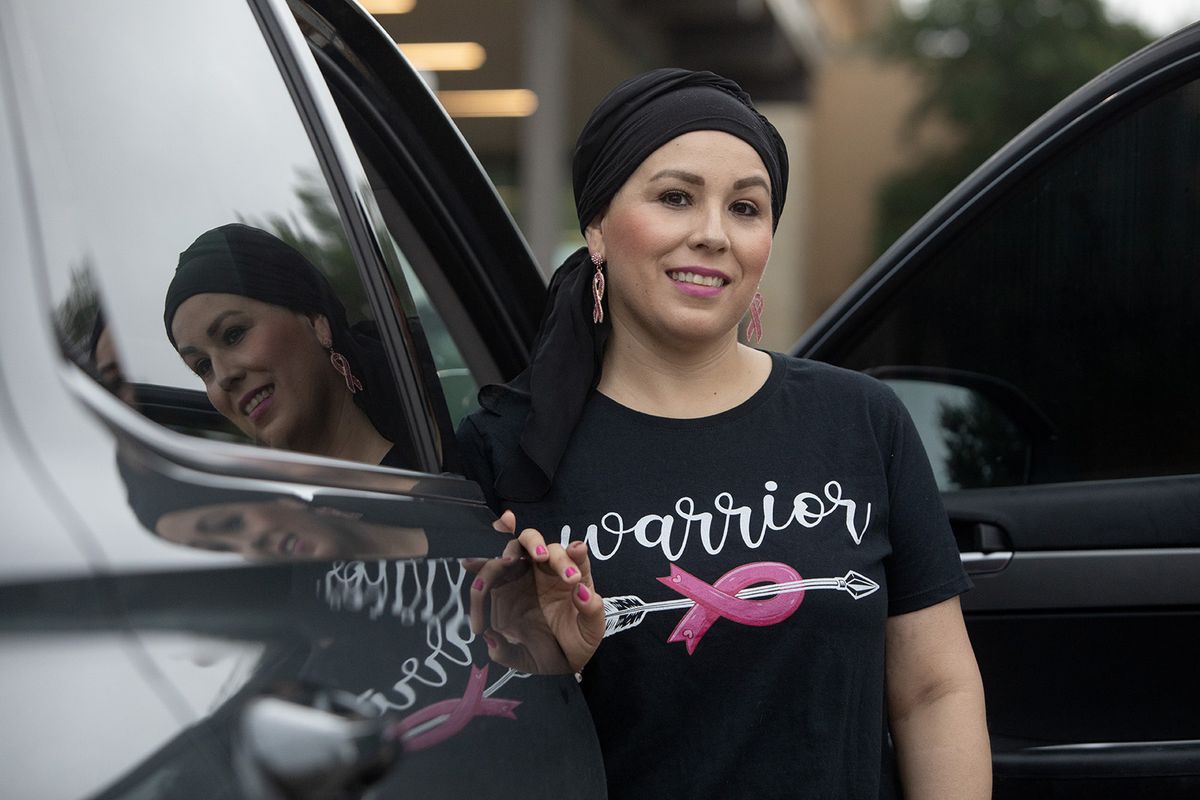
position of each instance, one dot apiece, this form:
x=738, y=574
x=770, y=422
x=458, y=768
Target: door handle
x=300, y=742
x=983, y=546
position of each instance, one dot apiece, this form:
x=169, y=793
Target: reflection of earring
x=343, y=367
x=755, y=329
x=598, y=289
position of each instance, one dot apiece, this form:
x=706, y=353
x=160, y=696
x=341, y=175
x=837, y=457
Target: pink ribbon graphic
x=458, y=713
x=718, y=600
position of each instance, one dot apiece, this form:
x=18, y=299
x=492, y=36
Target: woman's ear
x=321, y=327
x=594, y=233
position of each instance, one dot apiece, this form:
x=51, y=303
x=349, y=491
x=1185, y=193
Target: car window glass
x=436, y=312
x=459, y=384
x=971, y=441
x=142, y=144
x=407, y=154
x=1076, y=291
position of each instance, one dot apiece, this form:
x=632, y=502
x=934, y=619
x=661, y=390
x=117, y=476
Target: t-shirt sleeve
x=924, y=567
x=476, y=455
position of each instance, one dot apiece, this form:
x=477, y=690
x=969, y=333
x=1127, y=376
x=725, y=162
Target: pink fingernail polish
x=478, y=585
x=491, y=643
x=570, y=571
x=541, y=550
x=583, y=593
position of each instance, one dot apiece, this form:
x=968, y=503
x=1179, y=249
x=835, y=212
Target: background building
x=520, y=78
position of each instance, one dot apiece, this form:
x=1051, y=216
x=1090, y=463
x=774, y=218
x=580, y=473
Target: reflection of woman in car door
x=262, y=526
x=262, y=327
x=780, y=578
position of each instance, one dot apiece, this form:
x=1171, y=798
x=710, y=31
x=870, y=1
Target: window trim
x=303, y=475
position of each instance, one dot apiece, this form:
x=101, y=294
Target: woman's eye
x=224, y=523
x=232, y=522
x=202, y=367
x=233, y=334
x=744, y=208
x=675, y=197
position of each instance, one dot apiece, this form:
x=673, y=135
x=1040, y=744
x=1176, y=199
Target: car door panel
x=135, y=661
x=1040, y=325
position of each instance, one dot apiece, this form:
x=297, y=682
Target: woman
x=262, y=327
x=697, y=468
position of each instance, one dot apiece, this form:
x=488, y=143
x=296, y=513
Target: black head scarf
x=634, y=120
x=244, y=260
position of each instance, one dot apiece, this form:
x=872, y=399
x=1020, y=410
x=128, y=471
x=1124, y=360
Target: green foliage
x=76, y=315
x=326, y=246
x=990, y=68
x=322, y=239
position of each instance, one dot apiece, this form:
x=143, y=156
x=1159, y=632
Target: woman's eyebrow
x=687, y=177
x=696, y=180
x=210, y=332
x=216, y=323
x=746, y=183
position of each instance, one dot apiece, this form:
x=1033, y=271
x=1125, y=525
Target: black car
x=1038, y=323
x=1041, y=325
x=278, y=655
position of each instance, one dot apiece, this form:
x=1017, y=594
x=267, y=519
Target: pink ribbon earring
x=342, y=365
x=598, y=289
x=754, y=330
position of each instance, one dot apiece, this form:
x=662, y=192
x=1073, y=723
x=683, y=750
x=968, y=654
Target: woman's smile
x=699, y=281
x=256, y=403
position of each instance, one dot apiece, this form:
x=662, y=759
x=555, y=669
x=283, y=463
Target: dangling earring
x=343, y=367
x=754, y=330
x=598, y=289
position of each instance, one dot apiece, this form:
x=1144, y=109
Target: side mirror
x=978, y=431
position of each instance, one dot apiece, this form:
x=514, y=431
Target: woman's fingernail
x=478, y=585
x=541, y=550
x=570, y=571
x=491, y=643
x=583, y=593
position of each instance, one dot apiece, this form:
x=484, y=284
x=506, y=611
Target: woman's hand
x=566, y=602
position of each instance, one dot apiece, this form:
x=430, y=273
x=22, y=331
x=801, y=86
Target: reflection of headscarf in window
x=243, y=260
x=635, y=119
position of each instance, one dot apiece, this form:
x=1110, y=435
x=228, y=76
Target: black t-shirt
x=819, y=477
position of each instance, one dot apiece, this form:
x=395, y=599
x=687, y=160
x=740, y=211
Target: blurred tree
x=990, y=68
x=322, y=239
x=76, y=315
x=983, y=447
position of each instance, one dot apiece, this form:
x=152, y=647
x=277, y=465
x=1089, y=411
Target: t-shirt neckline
x=761, y=395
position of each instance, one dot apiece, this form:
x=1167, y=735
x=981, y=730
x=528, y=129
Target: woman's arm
x=935, y=704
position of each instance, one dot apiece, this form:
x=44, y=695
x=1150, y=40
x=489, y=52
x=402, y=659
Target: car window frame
x=361, y=219
x=1148, y=74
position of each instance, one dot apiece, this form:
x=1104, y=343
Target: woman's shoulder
x=811, y=375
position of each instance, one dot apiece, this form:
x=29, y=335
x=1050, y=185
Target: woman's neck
x=350, y=435
x=682, y=383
